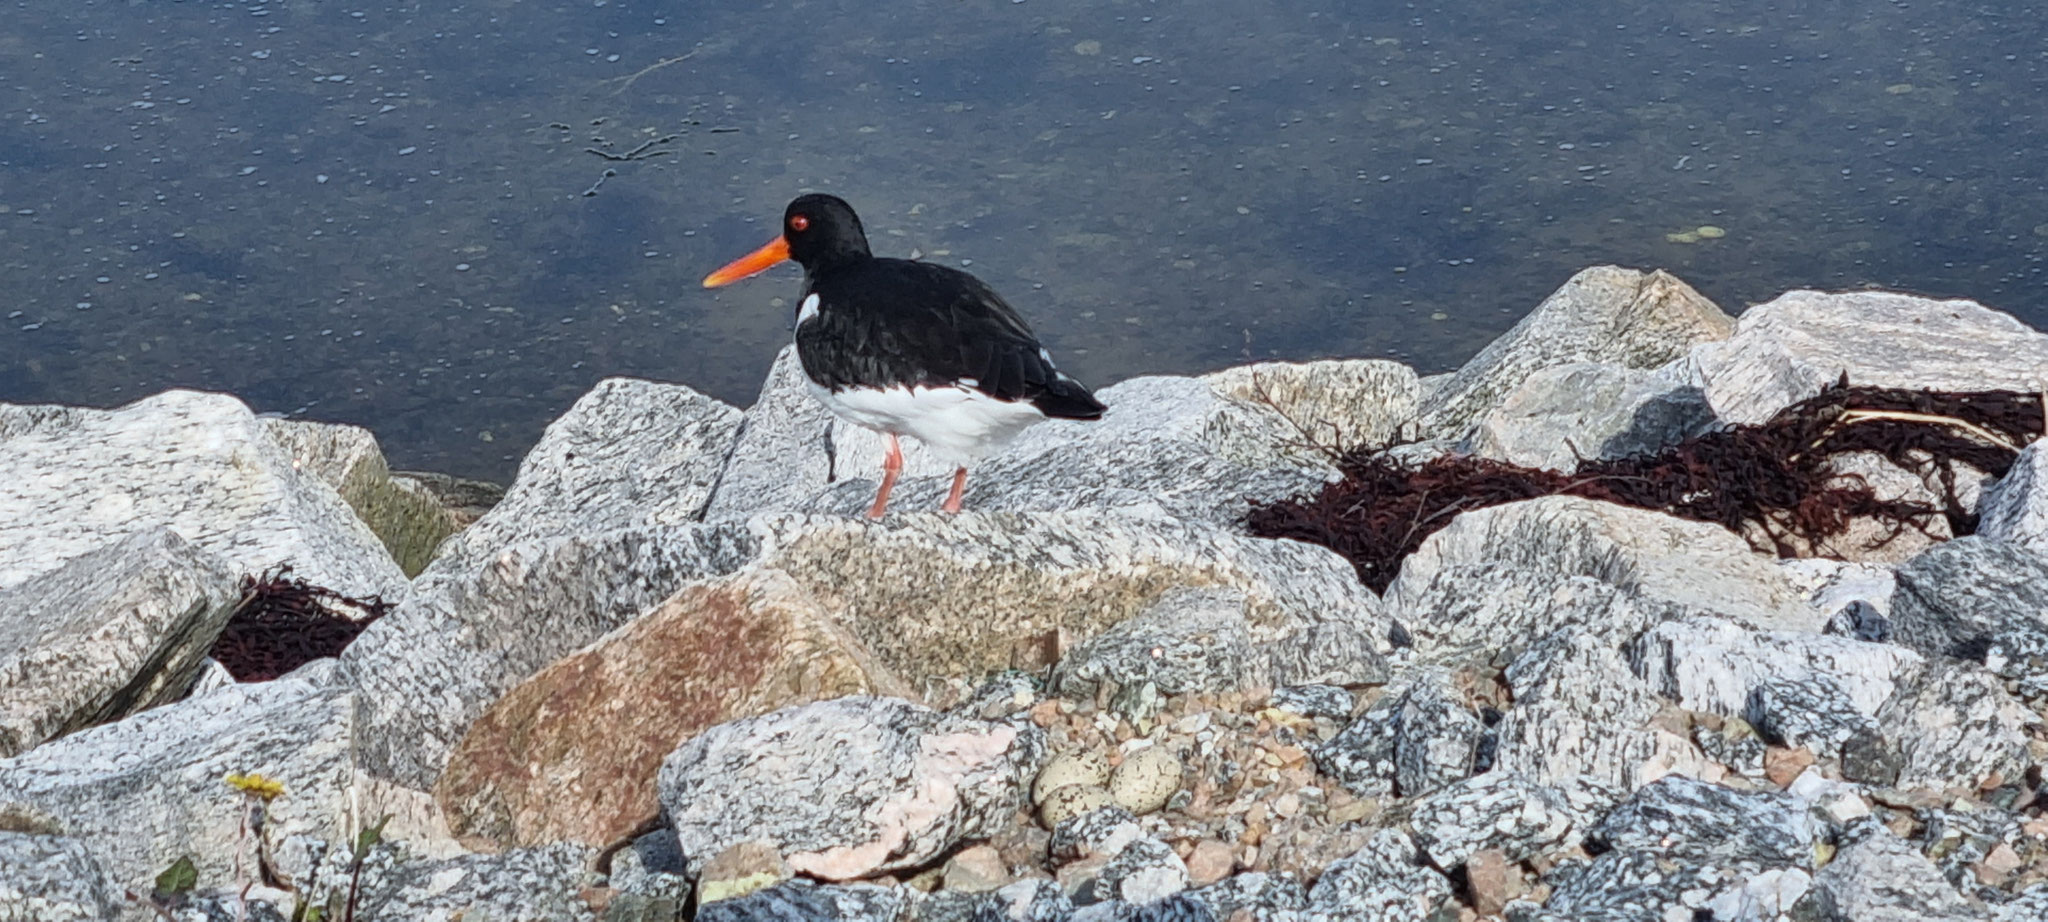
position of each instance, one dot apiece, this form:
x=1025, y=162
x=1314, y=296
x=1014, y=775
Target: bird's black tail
x=1065, y=398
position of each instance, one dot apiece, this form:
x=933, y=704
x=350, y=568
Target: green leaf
x=180, y=877
x=315, y=914
x=369, y=837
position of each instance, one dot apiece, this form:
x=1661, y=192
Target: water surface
x=391, y=214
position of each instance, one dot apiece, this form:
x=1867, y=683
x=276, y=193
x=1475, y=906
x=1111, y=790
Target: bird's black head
x=822, y=230
x=818, y=231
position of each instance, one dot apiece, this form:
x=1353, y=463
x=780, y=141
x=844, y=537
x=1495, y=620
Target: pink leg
x=959, y=487
x=891, y=466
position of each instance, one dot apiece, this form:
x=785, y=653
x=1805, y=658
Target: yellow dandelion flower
x=257, y=785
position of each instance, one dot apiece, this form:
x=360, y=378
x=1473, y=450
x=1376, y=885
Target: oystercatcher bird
x=910, y=348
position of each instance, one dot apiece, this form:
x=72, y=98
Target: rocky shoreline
x=671, y=674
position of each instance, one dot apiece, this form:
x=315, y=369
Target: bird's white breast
x=959, y=424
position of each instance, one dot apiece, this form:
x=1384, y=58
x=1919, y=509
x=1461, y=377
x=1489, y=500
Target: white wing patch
x=808, y=310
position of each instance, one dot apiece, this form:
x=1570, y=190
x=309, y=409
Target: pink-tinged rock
x=572, y=752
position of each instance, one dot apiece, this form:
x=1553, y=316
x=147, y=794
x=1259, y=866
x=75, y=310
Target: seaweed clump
x=283, y=623
x=1775, y=483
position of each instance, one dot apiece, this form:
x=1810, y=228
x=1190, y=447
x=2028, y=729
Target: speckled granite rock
x=410, y=522
x=200, y=464
x=848, y=787
x=1167, y=446
x=536, y=768
x=1687, y=819
x=1190, y=640
x=1716, y=665
x=523, y=885
x=1665, y=564
x=432, y=666
x=1520, y=817
x=1335, y=402
x=2015, y=509
x=1878, y=877
x=1604, y=314
x=630, y=454
x=1785, y=350
x=1264, y=895
x=1579, y=711
x=1383, y=882
x=800, y=900
x=1145, y=871
x=981, y=592
x=1953, y=599
x=1954, y=725
x=1635, y=885
x=1414, y=740
x=1814, y=711
x=147, y=790
x=1030, y=900
x=111, y=632
x=1564, y=414
x=53, y=879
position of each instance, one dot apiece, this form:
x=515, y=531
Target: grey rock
x=410, y=522
x=1501, y=610
x=467, y=636
x=1330, y=701
x=1604, y=314
x=1168, y=446
x=1415, y=739
x=848, y=787
x=800, y=900
x=1522, y=818
x=1734, y=744
x=630, y=454
x=147, y=790
x=53, y=879
x=2029, y=906
x=1436, y=735
x=1952, y=726
x=1580, y=711
x=1832, y=585
x=2015, y=509
x=1814, y=711
x=1787, y=349
x=199, y=464
x=1383, y=882
x=1870, y=540
x=1956, y=839
x=521, y=885
x=1030, y=900
x=1666, y=565
x=1564, y=414
x=785, y=451
x=1715, y=665
x=1189, y=641
x=1103, y=831
x=1361, y=756
x=964, y=587
x=1953, y=599
x=109, y=633
x=1144, y=871
x=1336, y=403
x=1640, y=886
x=1265, y=895
x=1687, y=819
x=1335, y=653
x=1878, y=877
x=2021, y=658
x=1860, y=620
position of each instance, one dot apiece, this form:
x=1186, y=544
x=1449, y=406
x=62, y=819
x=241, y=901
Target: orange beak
x=758, y=261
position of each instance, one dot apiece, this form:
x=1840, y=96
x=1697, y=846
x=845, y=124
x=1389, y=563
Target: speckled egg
x=1145, y=780
x=1075, y=766
x=1068, y=801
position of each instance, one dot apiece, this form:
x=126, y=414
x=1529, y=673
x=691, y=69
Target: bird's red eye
x=798, y=222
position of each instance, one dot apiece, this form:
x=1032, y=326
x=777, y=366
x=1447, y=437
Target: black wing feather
x=899, y=323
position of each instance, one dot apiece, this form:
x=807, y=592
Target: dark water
x=375, y=212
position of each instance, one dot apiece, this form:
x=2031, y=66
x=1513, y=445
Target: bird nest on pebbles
x=1776, y=484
